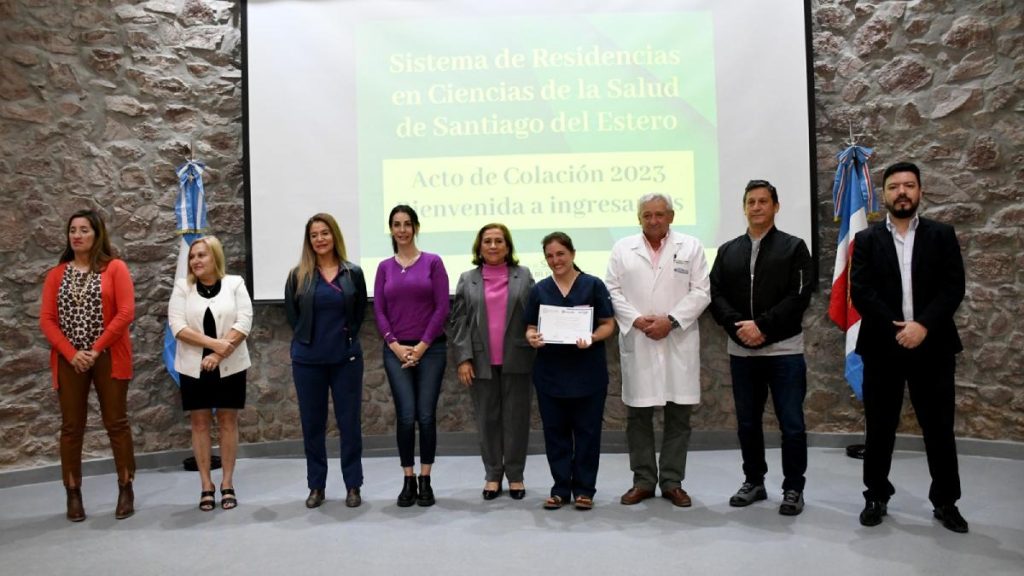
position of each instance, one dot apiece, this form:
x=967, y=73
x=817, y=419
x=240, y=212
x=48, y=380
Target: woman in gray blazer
x=487, y=330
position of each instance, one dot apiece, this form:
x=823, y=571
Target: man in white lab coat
x=659, y=286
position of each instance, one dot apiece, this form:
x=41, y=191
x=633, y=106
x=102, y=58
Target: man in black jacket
x=760, y=287
x=907, y=281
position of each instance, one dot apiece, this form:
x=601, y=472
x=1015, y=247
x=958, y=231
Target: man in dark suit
x=907, y=281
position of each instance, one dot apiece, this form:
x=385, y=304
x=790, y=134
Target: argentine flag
x=190, y=211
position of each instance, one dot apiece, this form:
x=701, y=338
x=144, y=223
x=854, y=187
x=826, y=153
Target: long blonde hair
x=307, y=262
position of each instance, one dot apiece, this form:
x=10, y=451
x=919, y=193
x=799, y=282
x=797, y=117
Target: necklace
x=80, y=285
x=208, y=291
x=406, y=266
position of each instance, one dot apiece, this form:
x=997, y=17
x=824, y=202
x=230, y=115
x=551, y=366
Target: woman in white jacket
x=210, y=314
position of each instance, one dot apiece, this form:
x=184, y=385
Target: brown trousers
x=74, y=402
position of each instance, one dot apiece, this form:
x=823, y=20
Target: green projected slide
x=542, y=123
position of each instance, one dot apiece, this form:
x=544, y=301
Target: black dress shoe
x=951, y=518
x=492, y=494
x=315, y=499
x=517, y=493
x=872, y=513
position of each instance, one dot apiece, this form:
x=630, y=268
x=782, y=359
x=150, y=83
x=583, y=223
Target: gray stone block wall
x=100, y=100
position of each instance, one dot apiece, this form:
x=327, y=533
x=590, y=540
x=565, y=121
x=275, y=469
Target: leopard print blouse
x=80, y=307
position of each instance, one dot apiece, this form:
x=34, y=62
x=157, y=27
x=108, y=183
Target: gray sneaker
x=748, y=494
x=792, y=503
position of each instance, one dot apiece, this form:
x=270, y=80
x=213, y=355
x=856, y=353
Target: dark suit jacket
x=937, y=278
x=467, y=325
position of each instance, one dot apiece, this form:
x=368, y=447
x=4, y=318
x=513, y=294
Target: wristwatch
x=675, y=323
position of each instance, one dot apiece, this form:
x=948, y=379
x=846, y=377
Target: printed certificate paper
x=563, y=325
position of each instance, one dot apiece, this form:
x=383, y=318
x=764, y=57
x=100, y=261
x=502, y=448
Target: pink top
x=496, y=298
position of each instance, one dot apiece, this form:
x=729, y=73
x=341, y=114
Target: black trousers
x=929, y=378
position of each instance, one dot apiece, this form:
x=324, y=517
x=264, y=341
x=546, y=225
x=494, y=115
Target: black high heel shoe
x=492, y=494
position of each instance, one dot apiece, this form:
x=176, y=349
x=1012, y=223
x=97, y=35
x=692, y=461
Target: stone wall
x=100, y=100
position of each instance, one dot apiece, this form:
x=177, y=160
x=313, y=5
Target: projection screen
x=541, y=115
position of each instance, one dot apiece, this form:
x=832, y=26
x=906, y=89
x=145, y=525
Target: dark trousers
x=786, y=378
x=930, y=380
x=649, y=470
x=502, y=407
x=344, y=383
x=415, y=391
x=73, y=394
x=572, y=440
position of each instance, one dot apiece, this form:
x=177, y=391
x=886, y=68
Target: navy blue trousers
x=572, y=441
x=344, y=383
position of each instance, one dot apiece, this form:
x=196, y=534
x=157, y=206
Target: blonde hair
x=307, y=262
x=216, y=249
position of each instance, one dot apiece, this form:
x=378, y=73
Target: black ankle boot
x=408, y=495
x=426, y=497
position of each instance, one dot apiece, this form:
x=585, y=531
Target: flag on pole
x=853, y=196
x=190, y=212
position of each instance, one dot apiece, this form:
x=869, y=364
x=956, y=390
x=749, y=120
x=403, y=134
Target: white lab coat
x=655, y=372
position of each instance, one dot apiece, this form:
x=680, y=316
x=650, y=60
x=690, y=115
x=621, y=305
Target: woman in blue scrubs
x=571, y=380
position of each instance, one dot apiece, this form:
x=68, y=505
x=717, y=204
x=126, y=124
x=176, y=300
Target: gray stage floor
x=271, y=532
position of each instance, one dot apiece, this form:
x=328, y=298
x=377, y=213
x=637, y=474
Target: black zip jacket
x=777, y=295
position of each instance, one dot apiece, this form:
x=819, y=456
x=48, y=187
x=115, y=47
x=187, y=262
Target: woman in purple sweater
x=411, y=306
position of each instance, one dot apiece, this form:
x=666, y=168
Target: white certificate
x=565, y=325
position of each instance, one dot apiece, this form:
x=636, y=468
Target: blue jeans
x=786, y=378
x=415, y=391
x=344, y=382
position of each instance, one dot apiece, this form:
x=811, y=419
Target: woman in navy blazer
x=487, y=331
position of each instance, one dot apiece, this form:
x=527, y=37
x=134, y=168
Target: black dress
x=211, y=390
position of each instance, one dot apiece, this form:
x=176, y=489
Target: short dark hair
x=403, y=209
x=510, y=258
x=754, y=184
x=901, y=167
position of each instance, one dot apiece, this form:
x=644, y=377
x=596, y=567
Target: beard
x=903, y=211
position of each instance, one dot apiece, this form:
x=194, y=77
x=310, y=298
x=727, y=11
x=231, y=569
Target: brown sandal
x=554, y=503
x=584, y=503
